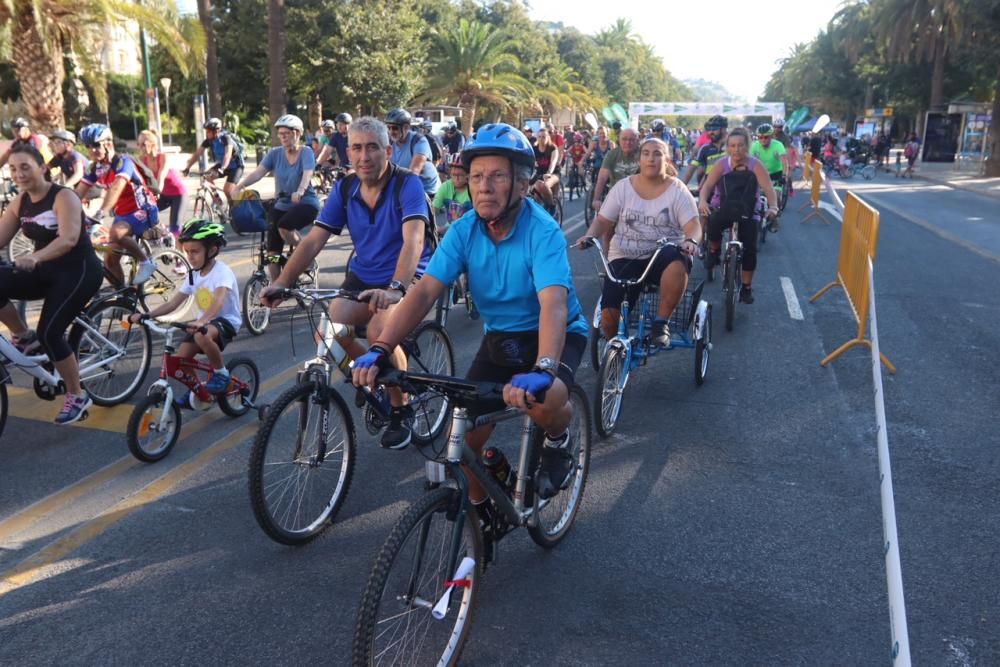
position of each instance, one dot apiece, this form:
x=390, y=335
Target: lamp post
x=165, y=82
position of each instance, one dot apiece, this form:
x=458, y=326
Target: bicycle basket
x=248, y=216
x=681, y=319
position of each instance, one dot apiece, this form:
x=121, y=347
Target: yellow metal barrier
x=806, y=164
x=816, y=184
x=858, y=245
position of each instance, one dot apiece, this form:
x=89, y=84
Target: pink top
x=172, y=183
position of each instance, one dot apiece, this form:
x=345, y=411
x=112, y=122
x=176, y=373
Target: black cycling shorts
x=485, y=366
x=612, y=294
x=233, y=174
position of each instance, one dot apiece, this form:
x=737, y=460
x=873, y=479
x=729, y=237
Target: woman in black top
x=63, y=270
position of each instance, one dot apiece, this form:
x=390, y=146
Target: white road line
x=567, y=230
x=793, y=301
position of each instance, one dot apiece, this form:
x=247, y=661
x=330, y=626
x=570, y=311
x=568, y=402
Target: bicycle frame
x=34, y=365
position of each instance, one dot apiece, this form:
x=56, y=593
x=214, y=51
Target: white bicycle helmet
x=291, y=122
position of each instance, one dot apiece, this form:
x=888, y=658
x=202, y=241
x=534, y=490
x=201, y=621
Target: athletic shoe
x=27, y=344
x=557, y=464
x=218, y=383
x=746, y=294
x=772, y=226
x=73, y=408
x=661, y=333
x=397, y=433
x=146, y=269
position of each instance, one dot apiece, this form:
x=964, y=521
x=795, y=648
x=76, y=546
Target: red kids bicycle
x=155, y=422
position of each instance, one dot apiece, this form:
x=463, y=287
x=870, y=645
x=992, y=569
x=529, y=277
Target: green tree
x=42, y=31
x=473, y=66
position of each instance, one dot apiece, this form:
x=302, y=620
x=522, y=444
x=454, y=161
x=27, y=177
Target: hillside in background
x=709, y=91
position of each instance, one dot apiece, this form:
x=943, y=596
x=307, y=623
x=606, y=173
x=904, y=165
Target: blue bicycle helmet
x=500, y=139
x=94, y=134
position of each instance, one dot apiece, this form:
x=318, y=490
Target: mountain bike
x=302, y=460
x=732, y=274
x=210, y=202
x=155, y=422
x=419, y=601
x=690, y=327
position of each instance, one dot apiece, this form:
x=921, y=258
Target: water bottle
x=339, y=354
x=498, y=466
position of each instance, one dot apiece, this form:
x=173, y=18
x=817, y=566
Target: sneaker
x=397, y=433
x=218, y=383
x=27, y=344
x=772, y=226
x=661, y=333
x=146, y=269
x=746, y=294
x=74, y=408
x=557, y=464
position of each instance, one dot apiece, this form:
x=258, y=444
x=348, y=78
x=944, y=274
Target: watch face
x=547, y=363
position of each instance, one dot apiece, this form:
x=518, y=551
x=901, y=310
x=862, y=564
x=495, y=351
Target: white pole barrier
x=893, y=569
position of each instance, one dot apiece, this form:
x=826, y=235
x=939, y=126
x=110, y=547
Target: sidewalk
x=961, y=176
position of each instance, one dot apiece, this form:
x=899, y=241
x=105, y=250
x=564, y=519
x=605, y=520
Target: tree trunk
x=277, y=88
x=993, y=145
x=468, y=117
x=211, y=59
x=315, y=113
x=937, y=76
x=40, y=72
x=869, y=95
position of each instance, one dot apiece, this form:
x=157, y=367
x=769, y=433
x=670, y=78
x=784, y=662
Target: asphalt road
x=736, y=523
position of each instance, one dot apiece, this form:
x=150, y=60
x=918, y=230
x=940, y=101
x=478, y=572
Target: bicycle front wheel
x=114, y=358
x=172, y=270
x=732, y=288
x=395, y=625
x=256, y=315
x=556, y=515
x=153, y=427
x=296, y=493
x=429, y=350
x=610, y=389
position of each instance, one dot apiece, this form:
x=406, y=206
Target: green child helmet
x=208, y=232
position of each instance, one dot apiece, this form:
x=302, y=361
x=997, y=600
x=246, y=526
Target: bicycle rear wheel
x=610, y=389
x=236, y=402
x=596, y=342
x=172, y=270
x=732, y=288
x=295, y=496
x=429, y=350
x=395, y=625
x=256, y=315
x=556, y=515
x=111, y=371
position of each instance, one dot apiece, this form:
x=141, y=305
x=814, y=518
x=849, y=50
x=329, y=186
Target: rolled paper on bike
x=464, y=570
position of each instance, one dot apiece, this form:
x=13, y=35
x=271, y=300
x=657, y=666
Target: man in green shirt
x=771, y=153
x=620, y=163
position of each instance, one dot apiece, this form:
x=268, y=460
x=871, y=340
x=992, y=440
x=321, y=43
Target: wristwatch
x=398, y=286
x=547, y=365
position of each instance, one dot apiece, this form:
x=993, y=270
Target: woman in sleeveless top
x=737, y=160
x=599, y=147
x=173, y=193
x=546, y=178
x=63, y=270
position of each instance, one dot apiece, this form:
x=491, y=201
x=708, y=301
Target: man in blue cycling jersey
x=411, y=150
x=519, y=275
x=389, y=249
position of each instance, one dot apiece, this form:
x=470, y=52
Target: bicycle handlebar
x=590, y=241
x=163, y=327
x=316, y=294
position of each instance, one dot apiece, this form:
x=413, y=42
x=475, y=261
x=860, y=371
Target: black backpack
x=399, y=176
x=737, y=195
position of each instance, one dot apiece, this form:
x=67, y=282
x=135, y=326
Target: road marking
x=52, y=503
x=567, y=230
x=794, y=311
x=25, y=405
x=32, y=567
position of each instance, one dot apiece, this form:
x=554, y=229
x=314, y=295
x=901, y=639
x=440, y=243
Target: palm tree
x=211, y=59
x=922, y=31
x=474, y=67
x=559, y=88
x=278, y=85
x=43, y=31
x=616, y=36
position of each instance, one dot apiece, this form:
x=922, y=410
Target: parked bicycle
x=155, y=422
x=302, y=460
x=690, y=327
x=418, y=604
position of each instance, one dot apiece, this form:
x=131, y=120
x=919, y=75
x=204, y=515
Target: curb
x=957, y=186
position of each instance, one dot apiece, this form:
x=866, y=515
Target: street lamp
x=165, y=82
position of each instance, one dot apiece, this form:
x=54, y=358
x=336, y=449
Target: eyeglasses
x=497, y=178
x=395, y=127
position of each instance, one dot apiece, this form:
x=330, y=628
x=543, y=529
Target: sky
x=739, y=50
